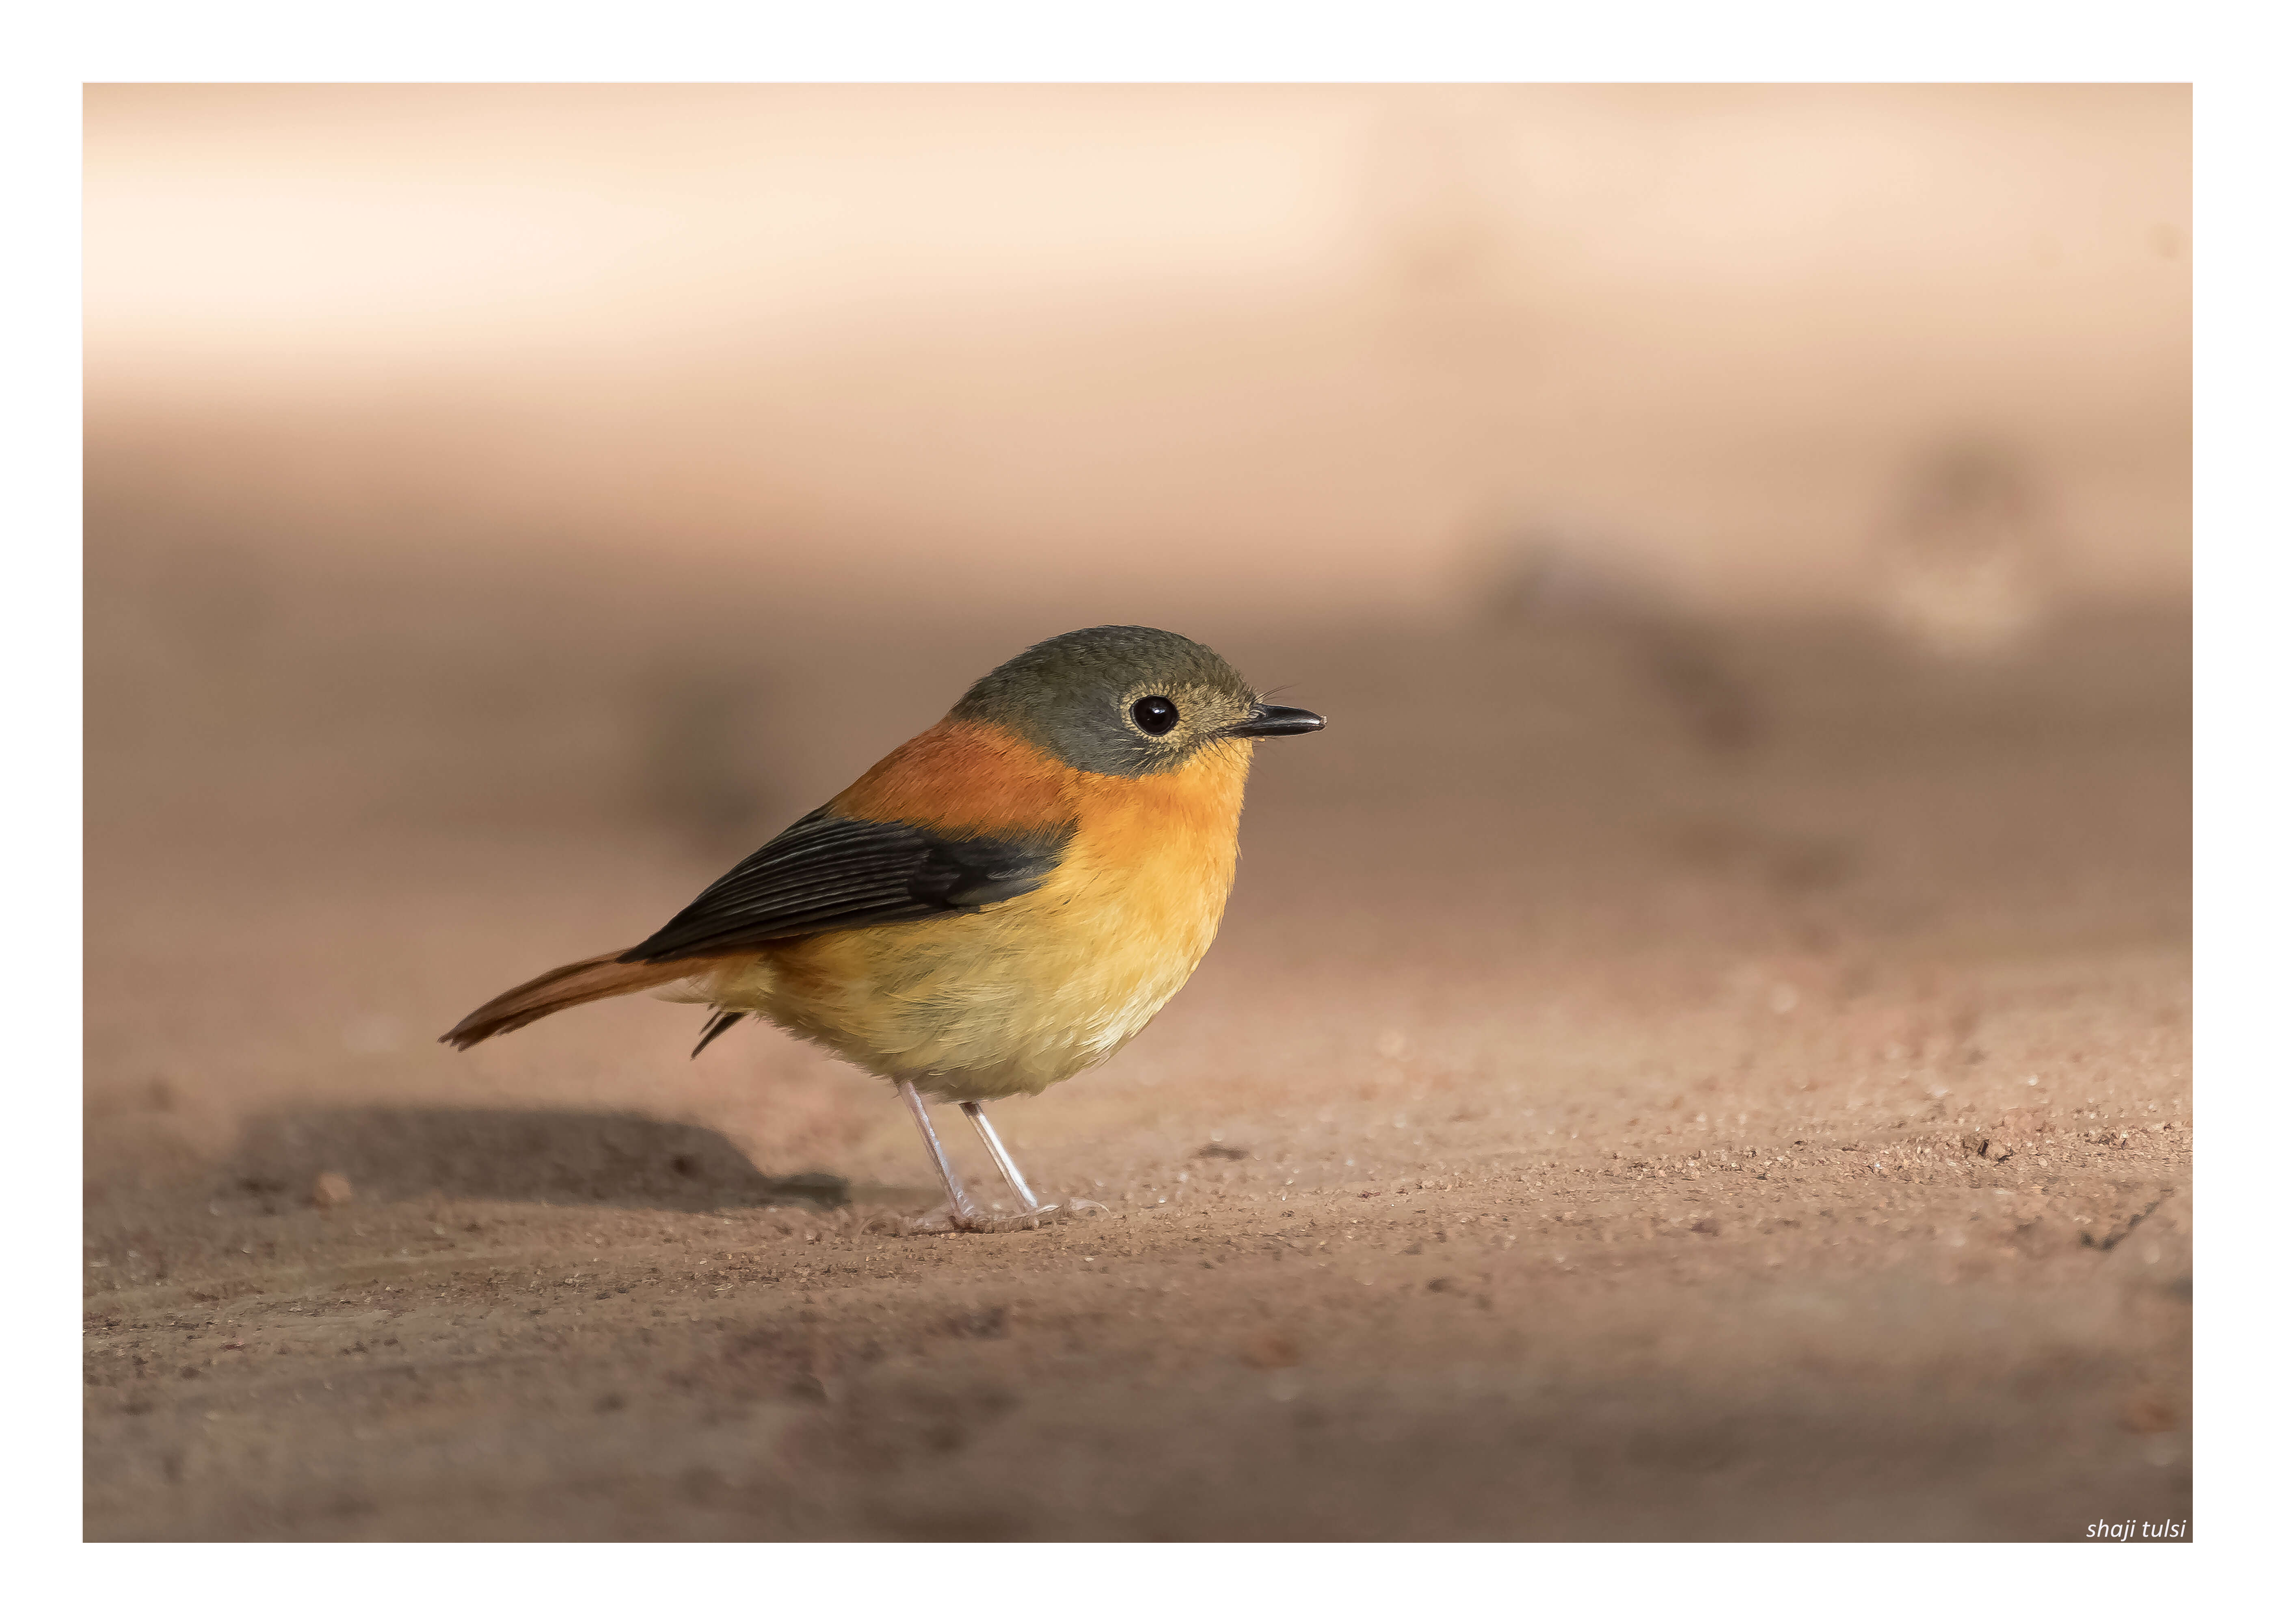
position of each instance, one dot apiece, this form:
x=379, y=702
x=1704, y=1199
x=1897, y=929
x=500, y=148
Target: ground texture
x=1649, y=1085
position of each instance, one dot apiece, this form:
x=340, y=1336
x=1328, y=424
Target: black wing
x=828, y=873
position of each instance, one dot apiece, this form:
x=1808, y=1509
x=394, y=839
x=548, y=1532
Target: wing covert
x=829, y=873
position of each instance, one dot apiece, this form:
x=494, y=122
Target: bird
x=1001, y=903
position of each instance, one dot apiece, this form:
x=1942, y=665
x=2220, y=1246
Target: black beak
x=1271, y=721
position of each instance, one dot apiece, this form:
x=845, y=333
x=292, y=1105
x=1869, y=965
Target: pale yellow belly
x=1005, y=1001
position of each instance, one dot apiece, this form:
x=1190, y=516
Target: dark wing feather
x=716, y=1026
x=829, y=873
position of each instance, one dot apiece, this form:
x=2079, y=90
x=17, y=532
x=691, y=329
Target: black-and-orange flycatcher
x=1000, y=903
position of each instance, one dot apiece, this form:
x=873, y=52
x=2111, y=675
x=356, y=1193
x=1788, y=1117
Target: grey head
x=1126, y=700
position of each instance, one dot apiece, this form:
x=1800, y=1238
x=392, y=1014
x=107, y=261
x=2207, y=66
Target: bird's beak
x=1271, y=721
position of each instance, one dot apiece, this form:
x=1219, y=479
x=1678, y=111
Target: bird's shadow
x=564, y=1157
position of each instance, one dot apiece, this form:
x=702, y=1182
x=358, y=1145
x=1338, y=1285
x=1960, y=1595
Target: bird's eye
x=1153, y=714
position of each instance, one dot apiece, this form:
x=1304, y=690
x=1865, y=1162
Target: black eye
x=1153, y=714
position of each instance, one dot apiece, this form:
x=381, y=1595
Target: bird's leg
x=1003, y=1162
x=961, y=1212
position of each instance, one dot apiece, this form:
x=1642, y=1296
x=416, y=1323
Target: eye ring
x=1154, y=713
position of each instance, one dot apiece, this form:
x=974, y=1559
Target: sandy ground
x=1609, y=1112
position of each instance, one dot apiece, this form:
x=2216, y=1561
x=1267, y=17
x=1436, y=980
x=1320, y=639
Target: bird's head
x=1126, y=700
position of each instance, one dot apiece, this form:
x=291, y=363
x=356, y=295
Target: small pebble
x=1270, y=1350
x=331, y=1190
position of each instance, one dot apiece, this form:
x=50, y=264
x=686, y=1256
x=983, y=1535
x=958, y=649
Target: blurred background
x=1739, y=537
x=473, y=467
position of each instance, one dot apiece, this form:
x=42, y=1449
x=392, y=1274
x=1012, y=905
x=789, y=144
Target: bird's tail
x=607, y=976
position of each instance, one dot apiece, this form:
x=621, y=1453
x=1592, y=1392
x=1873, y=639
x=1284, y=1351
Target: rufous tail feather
x=607, y=976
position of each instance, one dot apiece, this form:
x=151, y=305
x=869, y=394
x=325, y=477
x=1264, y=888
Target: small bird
x=1002, y=902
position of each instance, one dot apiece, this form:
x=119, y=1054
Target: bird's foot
x=944, y=1220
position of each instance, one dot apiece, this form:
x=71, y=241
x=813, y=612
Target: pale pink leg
x=1003, y=1162
x=959, y=1204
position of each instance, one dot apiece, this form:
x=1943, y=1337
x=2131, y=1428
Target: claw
x=946, y=1220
